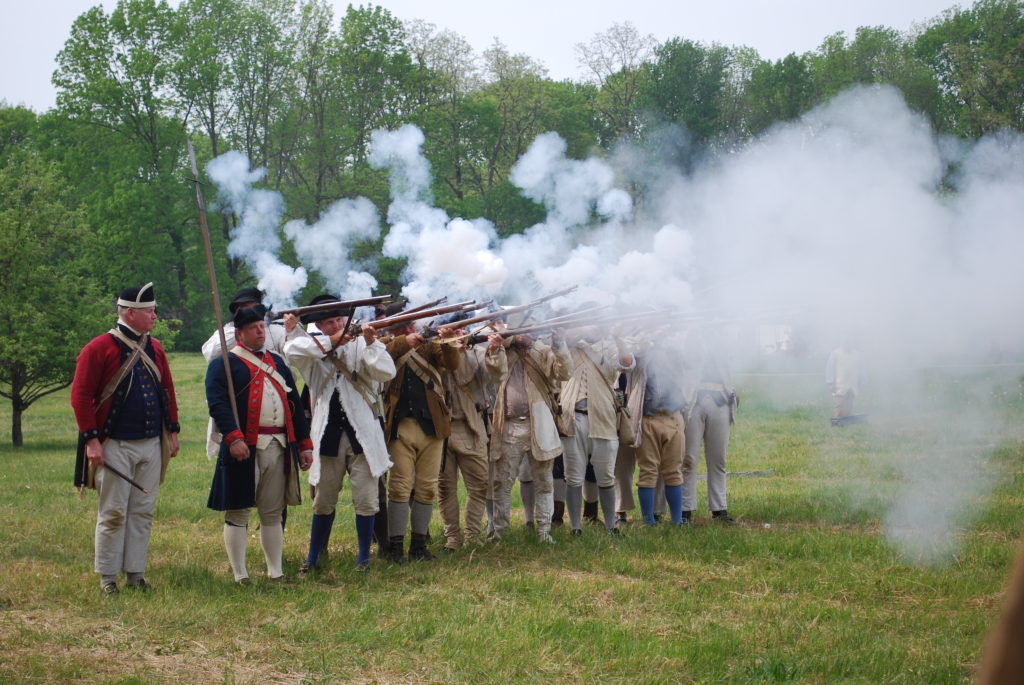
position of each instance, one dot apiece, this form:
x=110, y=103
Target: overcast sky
x=32, y=32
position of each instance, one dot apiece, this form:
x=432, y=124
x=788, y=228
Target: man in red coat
x=127, y=415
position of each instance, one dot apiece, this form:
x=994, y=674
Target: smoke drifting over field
x=255, y=239
x=856, y=219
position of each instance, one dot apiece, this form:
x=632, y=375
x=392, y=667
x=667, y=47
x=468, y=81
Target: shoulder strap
x=422, y=368
x=270, y=371
x=540, y=380
x=123, y=371
x=140, y=349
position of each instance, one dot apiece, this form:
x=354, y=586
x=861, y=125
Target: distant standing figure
x=711, y=411
x=844, y=375
x=127, y=416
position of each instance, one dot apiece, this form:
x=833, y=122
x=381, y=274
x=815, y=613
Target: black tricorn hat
x=243, y=316
x=393, y=309
x=313, y=317
x=243, y=296
x=137, y=298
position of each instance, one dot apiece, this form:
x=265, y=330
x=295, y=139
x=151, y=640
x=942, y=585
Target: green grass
x=807, y=588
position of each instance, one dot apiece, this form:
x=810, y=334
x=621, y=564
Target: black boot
x=396, y=549
x=590, y=512
x=722, y=516
x=558, y=515
x=418, y=548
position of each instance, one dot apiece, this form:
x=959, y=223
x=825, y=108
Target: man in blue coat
x=263, y=448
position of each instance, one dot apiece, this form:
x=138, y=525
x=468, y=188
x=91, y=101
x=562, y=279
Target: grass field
x=806, y=588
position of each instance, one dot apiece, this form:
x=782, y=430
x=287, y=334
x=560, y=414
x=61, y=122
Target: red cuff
x=232, y=436
x=306, y=445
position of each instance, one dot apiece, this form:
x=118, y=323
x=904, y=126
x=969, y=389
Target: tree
x=977, y=56
x=876, y=55
x=777, y=91
x=125, y=151
x=49, y=309
x=686, y=85
x=615, y=62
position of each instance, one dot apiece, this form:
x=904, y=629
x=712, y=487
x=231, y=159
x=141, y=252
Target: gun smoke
x=857, y=217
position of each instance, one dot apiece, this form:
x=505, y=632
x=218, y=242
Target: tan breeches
x=661, y=451
x=417, y=459
x=270, y=488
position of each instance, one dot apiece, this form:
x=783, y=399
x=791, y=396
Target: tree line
x=95, y=193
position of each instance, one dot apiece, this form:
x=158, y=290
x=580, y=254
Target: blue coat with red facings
x=234, y=482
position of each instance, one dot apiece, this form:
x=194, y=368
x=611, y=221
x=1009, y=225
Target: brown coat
x=441, y=358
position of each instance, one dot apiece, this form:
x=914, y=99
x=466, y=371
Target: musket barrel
x=405, y=317
x=327, y=306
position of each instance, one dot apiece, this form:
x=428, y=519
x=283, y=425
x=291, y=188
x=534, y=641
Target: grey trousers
x=126, y=513
x=708, y=424
x=576, y=449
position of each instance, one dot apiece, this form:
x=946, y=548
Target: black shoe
x=418, y=548
x=306, y=569
x=448, y=550
x=244, y=581
x=110, y=589
x=722, y=517
x=615, y=531
x=590, y=512
x=530, y=525
x=396, y=549
x=141, y=585
x=621, y=519
x=658, y=518
x=576, y=533
x=688, y=516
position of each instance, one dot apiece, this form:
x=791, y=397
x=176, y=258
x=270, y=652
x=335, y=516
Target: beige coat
x=602, y=416
x=554, y=365
x=466, y=390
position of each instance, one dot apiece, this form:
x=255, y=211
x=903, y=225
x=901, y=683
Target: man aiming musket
x=418, y=420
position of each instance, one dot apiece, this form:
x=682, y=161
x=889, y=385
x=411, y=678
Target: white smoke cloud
x=255, y=239
x=445, y=256
x=326, y=246
x=845, y=214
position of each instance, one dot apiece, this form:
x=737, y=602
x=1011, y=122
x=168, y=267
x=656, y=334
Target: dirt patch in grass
x=102, y=650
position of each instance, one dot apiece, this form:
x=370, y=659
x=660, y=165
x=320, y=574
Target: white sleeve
x=375, y=363
x=211, y=348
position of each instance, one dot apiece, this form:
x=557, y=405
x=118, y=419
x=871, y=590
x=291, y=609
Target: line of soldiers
x=404, y=419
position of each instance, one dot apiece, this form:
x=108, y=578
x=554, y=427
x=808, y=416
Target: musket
x=124, y=477
x=431, y=330
x=427, y=305
x=545, y=298
x=508, y=311
x=328, y=306
x=557, y=322
x=569, y=322
x=213, y=281
x=405, y=317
